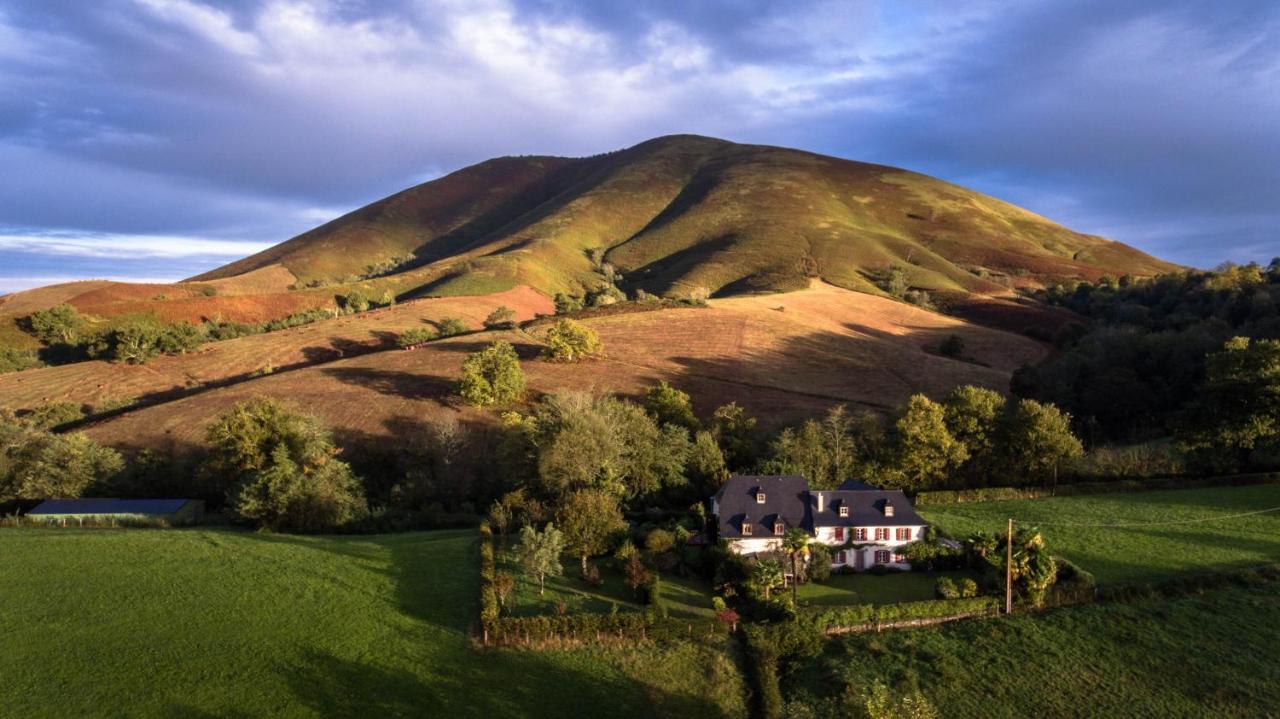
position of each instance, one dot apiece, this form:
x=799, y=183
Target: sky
x=154, y=139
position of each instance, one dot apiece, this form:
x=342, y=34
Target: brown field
x=784, y=357
x=90, y=383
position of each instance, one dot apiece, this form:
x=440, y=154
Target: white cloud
x=109, y=245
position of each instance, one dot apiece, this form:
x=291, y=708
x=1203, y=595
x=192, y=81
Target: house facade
x=863, y=525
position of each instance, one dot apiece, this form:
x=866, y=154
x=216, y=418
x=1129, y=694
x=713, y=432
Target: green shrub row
x=858, y=615
x=763, y=656
x=998, y=494
x=490, y=610
x=1190, y=584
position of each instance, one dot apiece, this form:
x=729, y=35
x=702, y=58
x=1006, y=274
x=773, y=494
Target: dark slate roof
x=866, y=509
x=786, y=498
x=109, y=506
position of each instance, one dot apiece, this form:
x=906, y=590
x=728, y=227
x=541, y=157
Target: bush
x=16, y=360
x=819, y=562
x=947, y=589
x=354, y=301
x=502, y=317
x=567, y=303
x=54, y=414
x=451, y=326
x=952, y=346
x=415, y=336
x=492, y=376
x=569, y=341
x=968, y=588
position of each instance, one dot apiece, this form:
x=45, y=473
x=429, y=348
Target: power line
x=1149, y=524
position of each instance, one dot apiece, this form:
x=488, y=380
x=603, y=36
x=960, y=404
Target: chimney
x=819, y=496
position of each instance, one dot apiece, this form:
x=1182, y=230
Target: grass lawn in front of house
x=867, y=588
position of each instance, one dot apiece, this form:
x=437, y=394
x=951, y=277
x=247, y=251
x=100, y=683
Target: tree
x=504, y=585
x=284, y=496
x=735, y=431
x=415, y=336
x=36, y=464
x=567, y=303
x=766, y=575
x=501, y=317
x=706, y=467
x=924, y=450
x=451, y=326
x=539, y=554
x=57, y=325
x=972, y=416
x=1238, y=410
x=492, y=376
x=282, y=468
x=1037, y=439
x=354, y=301
x=590, y=519
x=1033, y=567
x=795, y=543
x=638, y=575
x=570, y=341
x=54, y=414
x=669, y=405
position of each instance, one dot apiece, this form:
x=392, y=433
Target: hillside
x=784, y=357
x=684, y=215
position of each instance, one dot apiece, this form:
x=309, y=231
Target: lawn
x=866, y=588
x=1141, y=553
x=225, y=623
x=1212, y=655
x=685, y=597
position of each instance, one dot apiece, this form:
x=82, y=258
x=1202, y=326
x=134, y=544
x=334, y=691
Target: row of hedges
x=829, y=619
x=997, y=494
x=1190, y=584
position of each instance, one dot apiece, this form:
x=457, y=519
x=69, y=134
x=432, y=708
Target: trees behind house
x=492, y=376
x=280, y=468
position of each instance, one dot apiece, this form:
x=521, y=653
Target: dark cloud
x=1153, y=123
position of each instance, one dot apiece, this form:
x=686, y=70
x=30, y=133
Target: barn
x=118, y=511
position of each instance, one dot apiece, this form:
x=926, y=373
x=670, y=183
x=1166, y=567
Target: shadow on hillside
x=390, y=382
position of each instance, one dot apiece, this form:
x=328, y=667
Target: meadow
x=1168, y=540
x=1211, y=655
x=226, y=623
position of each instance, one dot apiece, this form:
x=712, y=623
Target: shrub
x=15, y=360
x=569, y=341
x=952, y=346
x=567, y=303
x=968, y=588
x=54, y=414
x=492, y=376
x=501, y=317
x=56, y=325
x=354, y=301
x=947, y=589
x=284, y=496
x=415, y=336
x=451, y=326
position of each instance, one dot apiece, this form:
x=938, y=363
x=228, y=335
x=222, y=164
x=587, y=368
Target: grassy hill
x=206, y=623
x=685, y=215
x=783, y=357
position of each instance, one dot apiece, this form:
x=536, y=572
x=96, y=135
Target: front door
x=858, y=561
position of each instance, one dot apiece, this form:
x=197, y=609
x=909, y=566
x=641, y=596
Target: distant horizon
x=156, y=139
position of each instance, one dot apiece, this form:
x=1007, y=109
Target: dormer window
x=746, y=529
x=779, y=528
x=888, y=509
x=759, y=497
x=844, y=511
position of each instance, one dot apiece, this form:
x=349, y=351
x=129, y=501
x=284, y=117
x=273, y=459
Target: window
x=904, y=534
x=841, y=557
x=839, y=534
x=746, y=529
x=778, y=528
x=759, y=497
x=882, y=533
x=888, y=509
x=860, y=534
x=882, y=557
x=844, y=511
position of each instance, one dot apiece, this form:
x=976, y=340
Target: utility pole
x=1008, y=571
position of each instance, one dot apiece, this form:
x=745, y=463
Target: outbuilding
x=173, y=512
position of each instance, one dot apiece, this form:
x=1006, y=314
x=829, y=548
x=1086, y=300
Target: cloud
x=255, y=119
x=108, y=245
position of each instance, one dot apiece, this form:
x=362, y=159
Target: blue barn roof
x=109, y=506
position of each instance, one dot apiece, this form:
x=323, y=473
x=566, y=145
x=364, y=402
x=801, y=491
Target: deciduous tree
x=492, y=376
x=539, y=554
x=590, y=519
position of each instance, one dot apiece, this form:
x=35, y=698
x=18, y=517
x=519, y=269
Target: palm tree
x=794, y=543
x=765, y=575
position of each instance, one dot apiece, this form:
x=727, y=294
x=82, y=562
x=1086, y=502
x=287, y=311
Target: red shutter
x=839, y=534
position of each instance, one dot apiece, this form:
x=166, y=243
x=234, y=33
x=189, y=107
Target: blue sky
x=152, y=139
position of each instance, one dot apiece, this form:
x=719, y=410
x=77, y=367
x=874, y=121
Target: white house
x=863, y=525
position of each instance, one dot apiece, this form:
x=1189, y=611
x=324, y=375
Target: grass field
x=1141, y=553
x=685, y=597
x=826, y=346
x=844, y=589
x=1213, y=655
x=197, y=623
